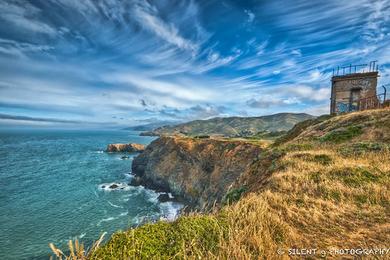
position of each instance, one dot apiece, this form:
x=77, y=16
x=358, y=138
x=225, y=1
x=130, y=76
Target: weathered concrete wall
x=363, y=85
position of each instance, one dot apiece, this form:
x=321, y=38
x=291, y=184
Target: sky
x=106, y=63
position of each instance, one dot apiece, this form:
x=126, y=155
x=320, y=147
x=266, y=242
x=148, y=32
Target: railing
x=373, y=102
x=351, y=69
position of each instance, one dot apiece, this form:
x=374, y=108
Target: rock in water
x=113, y=186
x=128, y=148
x=164, y=198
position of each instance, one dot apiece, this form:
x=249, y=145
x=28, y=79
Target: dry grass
x=254, y=231
x=76, y=250
x=307, y=205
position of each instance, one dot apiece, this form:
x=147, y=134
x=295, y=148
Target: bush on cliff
x=193, y=236
x=233, y=195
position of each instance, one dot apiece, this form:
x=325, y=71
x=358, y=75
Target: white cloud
x=267, y=101
x=305, y=92
x=251, y=16
x=315, y=75
x=148, y=17
x=21, y=49
x=296, y=52
x=179, y=94
x=24, y=16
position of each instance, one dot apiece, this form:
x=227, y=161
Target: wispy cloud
x=251, y=16
x=37, y=119
x=129, y=61
x=148, y=17
x=22, y=15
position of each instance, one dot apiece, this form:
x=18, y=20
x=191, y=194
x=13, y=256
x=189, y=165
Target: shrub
x=297, y=147
x=322, y=159
x=201, y=136
x=360, y=148
x=355, y=177
x=342, y=135
x=192, y=236
x=234, y=195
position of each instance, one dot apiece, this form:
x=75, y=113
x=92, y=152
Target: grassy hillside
x=325, y=185
x=234, y=126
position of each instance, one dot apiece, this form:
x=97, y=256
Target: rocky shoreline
x=195, y=172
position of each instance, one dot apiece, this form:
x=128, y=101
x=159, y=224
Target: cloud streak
x=37, y=119
x=130, y=61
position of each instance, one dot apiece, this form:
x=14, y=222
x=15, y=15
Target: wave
x=128, y=175
x=115, y=206
x=105, y=220
x=170, y=210
x=124, y=214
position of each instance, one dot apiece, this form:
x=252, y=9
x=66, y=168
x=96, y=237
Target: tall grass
x=76, y=250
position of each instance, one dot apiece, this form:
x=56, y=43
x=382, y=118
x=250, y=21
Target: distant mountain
x=149, y=127
x=233, y=126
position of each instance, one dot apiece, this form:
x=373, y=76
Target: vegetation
x=272, y=125
x=77, y=251
x=327, y=186
x=342, y=135
x=191, y=236
x=201, y=136
x=234, y=195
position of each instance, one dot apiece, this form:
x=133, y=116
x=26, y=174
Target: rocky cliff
x=129, y=148
x=198, y=170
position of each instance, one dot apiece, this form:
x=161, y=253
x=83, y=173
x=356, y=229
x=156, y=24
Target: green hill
x=233, y=126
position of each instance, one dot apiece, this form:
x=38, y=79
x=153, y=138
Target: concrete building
x=354, y=88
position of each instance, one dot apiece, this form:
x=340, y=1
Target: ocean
x=54, y=187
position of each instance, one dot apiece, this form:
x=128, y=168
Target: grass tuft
x=342, y=135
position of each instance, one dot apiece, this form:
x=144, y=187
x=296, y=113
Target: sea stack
x=128, y=148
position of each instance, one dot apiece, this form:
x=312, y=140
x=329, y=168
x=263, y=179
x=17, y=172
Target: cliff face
x=199, y=170
x=128, y=148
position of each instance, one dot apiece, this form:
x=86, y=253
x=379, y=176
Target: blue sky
x=122, y=63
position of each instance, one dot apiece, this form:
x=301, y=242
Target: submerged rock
x=113, y=186
x=125, y=157
x=129, y=148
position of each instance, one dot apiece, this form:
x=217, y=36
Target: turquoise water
x=52, y=190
